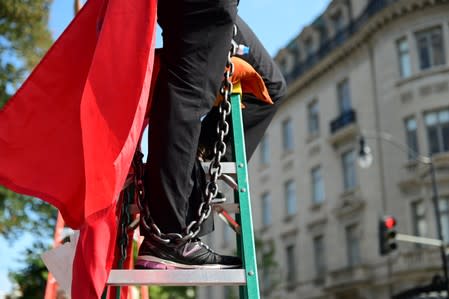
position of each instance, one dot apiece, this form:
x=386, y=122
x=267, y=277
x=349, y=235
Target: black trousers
x=196, y=39
x=257, y=115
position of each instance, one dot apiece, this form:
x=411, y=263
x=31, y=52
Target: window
x=430, y=48
x=266, y=209
x=287, y=135
x=339, y=21
x=293, y=48
x=419, y=219
x=349, y=175
x=309, y=46
x=344, y=97
x=283, y=65
x=437, y=123
x=404, y=58
x=339, y=25
x=412, y=137
x=317, y=185
x=353, y=245
x=264, y=151
x=291, y=265
x=444, y=216
x=290, y=197
x=320, y=256
x=313, y=118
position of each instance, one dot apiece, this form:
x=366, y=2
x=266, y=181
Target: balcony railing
x=327, y=46
x=344, y=119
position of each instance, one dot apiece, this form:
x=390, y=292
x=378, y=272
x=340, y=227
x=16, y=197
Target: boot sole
x=146, y=262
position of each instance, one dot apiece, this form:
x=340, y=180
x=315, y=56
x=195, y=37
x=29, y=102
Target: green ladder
x=246, y=277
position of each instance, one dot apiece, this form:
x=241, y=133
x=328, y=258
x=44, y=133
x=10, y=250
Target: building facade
x=377, y=68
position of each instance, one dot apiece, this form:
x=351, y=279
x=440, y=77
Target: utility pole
x=435, y=200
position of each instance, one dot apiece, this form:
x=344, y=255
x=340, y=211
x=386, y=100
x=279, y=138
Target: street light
x=365, y=155
x=366, y=160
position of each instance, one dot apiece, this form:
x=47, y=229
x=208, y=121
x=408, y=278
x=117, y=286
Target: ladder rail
x=246, y=241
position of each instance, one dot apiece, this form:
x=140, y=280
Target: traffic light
x=387, y=235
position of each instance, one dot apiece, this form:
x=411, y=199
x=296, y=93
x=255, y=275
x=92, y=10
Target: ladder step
x=227, y=167
x=229, y=181
x=177, y=277
x=231, y=208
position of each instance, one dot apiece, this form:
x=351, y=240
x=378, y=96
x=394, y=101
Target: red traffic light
x=387, y=234
x=390, y=222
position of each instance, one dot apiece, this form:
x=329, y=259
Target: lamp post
x=365, y=161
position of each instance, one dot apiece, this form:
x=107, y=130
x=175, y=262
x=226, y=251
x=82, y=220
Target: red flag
x=69, y=134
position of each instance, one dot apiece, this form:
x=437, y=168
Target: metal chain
x=215, y=168
x=127, y=197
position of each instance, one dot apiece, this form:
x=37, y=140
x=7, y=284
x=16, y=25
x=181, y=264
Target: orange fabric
x=252, y=82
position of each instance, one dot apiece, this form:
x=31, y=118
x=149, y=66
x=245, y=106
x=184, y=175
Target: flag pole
x=77, y=6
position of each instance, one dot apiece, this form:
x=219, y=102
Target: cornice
x=390, y=14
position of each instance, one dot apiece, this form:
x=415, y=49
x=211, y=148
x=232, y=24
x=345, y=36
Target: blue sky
x=275, y=22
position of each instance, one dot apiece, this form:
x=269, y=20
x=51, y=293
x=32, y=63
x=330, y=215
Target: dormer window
x=283, y=65
x=338, y=21
x=308, y=43
x=293, y=50
x=285, y=61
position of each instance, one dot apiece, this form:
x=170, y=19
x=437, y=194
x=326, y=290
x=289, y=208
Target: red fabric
x=125, y=291
x=69, y=134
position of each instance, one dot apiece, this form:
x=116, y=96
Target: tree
x=31, y=279
x=24, y=40
x=19, y=214
x=269, y=271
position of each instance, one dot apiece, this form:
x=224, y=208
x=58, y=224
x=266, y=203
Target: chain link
x=127, y=198
x=215, y=168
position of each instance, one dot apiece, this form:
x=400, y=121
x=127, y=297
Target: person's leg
x=256, y=115
x=197, y=36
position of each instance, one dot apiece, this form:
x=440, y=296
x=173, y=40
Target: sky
x=275, y=22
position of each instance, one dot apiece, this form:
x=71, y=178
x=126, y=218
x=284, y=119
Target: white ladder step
x=227, y=167
x=177, y=277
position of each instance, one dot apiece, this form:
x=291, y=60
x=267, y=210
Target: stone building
x=377, y=68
